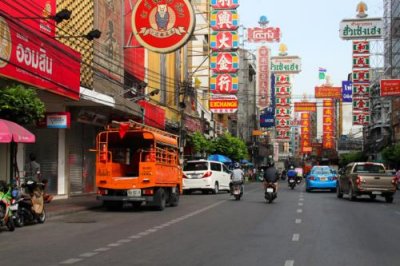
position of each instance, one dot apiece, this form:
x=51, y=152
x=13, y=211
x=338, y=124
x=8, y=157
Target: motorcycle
x=31, y=204
x=270, y=192
x=237, y=190
x=5, y=211
x=292, y=182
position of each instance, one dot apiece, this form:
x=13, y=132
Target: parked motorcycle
x=270, y=192
x=5, y=211
x=31, y=204
x=237, y=190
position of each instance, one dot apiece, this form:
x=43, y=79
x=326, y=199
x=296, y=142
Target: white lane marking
x=101, y=249
x=300, y=203
x=301, y=199
x=299, y=210
x=296, y=237
x=289, y=263
x=70, y=261
x=147, y=232
x=298, y=221
x=88, y=254
x=124, y=241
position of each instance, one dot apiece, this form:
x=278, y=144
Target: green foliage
x=21, y=105
x=391, y=154
x=351, y=157
x=226, y=144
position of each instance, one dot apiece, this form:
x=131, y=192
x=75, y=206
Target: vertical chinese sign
x=305, y=138
x=361, y=83
x=328, y=125
x=224, y=60
x=263, y=76
x=360, y=31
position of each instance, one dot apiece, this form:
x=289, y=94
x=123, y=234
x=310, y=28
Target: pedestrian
x=32, y=169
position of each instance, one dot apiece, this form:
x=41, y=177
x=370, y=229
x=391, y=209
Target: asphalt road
x=299, y=228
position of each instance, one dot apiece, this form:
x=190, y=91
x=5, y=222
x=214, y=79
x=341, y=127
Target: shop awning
x=10, y=131
x=219, y=158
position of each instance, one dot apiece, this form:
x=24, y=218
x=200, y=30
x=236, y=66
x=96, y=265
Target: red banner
x=305, y=107
x=32, y=13
x=328, y=92
x=390, y=87
x=38, y=60
x=268, y=34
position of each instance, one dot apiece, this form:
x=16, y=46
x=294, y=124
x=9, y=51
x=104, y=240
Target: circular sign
x=163, y=26
x=5, y=41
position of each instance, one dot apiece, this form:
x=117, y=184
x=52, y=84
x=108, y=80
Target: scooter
x=237, y=190
x=292, y=182
x=270, y=192
x=31, y=204
x=5, y=211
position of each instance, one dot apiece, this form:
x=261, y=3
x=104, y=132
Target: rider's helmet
x=271, y=164
x=236, y=165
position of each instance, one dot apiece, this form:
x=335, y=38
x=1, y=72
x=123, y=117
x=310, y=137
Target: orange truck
x=137, y=164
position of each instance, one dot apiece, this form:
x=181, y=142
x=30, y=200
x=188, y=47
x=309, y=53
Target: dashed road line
x=289, y=263
x=301, y=199
x=139, y=235
x=298, y=221
x=299, y=210
x=300, y=203
x=296, y=237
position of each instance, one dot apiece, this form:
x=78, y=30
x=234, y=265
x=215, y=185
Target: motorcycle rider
x=270, y=176
x=292, y=174
x=237, y=176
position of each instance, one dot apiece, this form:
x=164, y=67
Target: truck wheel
x=352, y=197
x=389, y=199
x=174, y=198
x=339, y=192
x=160, y=199
x=372, y=197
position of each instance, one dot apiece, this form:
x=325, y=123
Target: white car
x=206, y=176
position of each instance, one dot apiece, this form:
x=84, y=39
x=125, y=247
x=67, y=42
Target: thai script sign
x=38, y=60
x=224, y=4
x=285, y=64
x=224, y=40
x=347, y=91
x=224, y=83
x=224, y=62
x=267, y=34
x=305, y=107
x=163, y=26
x=39, y=14
x=224, y=20
x=361, y=29
x=223, y=104
x=328, y=92
x=390, y=87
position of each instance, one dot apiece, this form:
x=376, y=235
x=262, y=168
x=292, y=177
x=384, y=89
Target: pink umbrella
x=10, y=131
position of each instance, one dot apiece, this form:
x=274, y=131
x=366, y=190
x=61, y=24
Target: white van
x=207, y=176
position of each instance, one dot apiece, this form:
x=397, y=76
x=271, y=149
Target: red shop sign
x=163, y=26
x=38, y=60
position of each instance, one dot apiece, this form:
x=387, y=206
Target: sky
x=310, y=30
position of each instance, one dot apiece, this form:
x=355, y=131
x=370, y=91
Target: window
x=196, y=166
x=216, y=167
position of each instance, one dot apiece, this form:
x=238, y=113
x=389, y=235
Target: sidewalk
x=72, y=204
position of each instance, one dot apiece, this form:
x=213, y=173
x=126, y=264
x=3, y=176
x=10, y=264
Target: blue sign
x=347, y=91
x=267, y=120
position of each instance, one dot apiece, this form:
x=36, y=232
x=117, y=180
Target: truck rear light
x=334, y=178
x=207, y=174
x=394, y=181
x=359, y=180
x=102, y=191
x=148, y=191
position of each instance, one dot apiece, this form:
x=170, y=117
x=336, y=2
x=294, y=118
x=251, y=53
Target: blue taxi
x=321, y=177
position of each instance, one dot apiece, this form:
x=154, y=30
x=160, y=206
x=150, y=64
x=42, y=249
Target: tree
x=391, y=154
x=21, y=105
x=200, y=143
x=351, y=157
x=231, y=147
